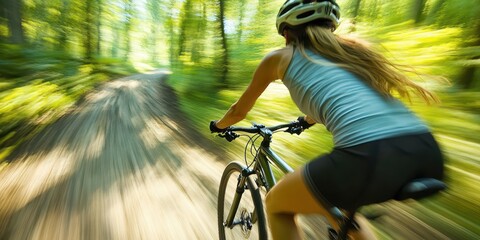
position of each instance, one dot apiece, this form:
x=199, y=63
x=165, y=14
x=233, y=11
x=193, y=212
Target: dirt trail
x=124, y=164
x=117, y=167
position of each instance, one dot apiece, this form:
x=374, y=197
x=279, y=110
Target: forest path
x=126, y=164
x=119, y=166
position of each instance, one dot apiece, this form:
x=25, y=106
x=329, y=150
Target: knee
x=268, y=202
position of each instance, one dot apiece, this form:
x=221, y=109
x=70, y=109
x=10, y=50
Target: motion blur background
x=52, y=52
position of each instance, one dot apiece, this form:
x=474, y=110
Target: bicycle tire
x=241, y=230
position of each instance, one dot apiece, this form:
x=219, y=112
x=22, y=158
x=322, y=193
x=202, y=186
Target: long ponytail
x=354, y=56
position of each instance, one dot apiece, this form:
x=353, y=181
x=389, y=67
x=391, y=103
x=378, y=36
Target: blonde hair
x=372, y=67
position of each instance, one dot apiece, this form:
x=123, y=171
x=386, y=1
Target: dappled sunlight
x=131, y=84
x=159, y=71
x=28, y=178
x=98, y=96
x=118, y=168
x=96, y=146
x=153, y=133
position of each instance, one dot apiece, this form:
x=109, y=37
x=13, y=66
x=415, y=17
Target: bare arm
x=266, y=72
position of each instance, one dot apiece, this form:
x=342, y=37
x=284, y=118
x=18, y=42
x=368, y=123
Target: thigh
x=292, y=196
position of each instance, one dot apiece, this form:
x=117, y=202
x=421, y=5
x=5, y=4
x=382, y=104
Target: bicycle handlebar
x=292, y=128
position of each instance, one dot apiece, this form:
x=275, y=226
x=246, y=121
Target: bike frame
x=264, y=156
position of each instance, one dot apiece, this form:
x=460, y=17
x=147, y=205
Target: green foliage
x=38, y=86
x=429, y=50
x=460, y=13
x=70, y=50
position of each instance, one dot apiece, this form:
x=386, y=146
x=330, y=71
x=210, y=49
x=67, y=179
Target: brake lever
x=229, y=135
x=295, y=129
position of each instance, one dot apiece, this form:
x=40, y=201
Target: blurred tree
x=241, y=17
x=63, y=25
x=463, y=14
x=434, y=11
x=199, y=34
x=356, y=9
x=170, y=26
x=186, y=13
x=417, y=10
x=224, y=48
x=128, y=15
x=193, y=31
x=41, y=19
x=13, y=13
x=262, y=30
x=98, y=25
x=467, y=77
x=154, y=10
x=88, y=27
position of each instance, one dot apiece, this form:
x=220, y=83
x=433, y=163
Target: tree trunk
x=198, y=38
x=240, y=21
x=98, y=21
x=183, y=27
x=224, y=52
x=356, y=9
x=154, y=8
x=63, y=25
x=418, y=7
x=88, y=30
x=127, y=27
x=467, y=76
x=171, y=34
x=13, y=13
x=433, y=13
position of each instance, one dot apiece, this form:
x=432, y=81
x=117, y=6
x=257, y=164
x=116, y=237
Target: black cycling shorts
x=372, y=172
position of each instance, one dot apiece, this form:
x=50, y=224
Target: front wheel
x=249, y=221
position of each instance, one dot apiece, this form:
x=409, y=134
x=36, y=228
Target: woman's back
x=351, y=110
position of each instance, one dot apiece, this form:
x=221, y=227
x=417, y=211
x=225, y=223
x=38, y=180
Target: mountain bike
x=243, y=213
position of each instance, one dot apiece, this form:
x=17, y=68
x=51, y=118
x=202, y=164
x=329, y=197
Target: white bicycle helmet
x=298, y=12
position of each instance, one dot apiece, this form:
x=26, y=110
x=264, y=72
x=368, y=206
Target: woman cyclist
x=379, y=144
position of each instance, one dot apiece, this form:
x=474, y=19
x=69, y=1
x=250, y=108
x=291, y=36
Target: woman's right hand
x=215, y=129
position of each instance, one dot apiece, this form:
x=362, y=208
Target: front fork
x=241, y=186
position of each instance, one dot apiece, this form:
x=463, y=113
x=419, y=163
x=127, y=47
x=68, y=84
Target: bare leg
x=291, y=196
x=365, y=232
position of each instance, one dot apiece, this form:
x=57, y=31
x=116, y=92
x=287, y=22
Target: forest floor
x=126, y=164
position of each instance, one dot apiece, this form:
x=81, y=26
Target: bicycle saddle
x=420, y=188
x=416, y=189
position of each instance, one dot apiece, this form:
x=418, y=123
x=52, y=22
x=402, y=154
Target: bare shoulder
x=280, y=58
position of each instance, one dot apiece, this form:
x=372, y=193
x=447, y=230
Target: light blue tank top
x=350, y=109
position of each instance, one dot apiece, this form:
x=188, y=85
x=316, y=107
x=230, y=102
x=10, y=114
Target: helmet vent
x=328, y=10
x=288, y=8
x=305, y=14
x=334, y=12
